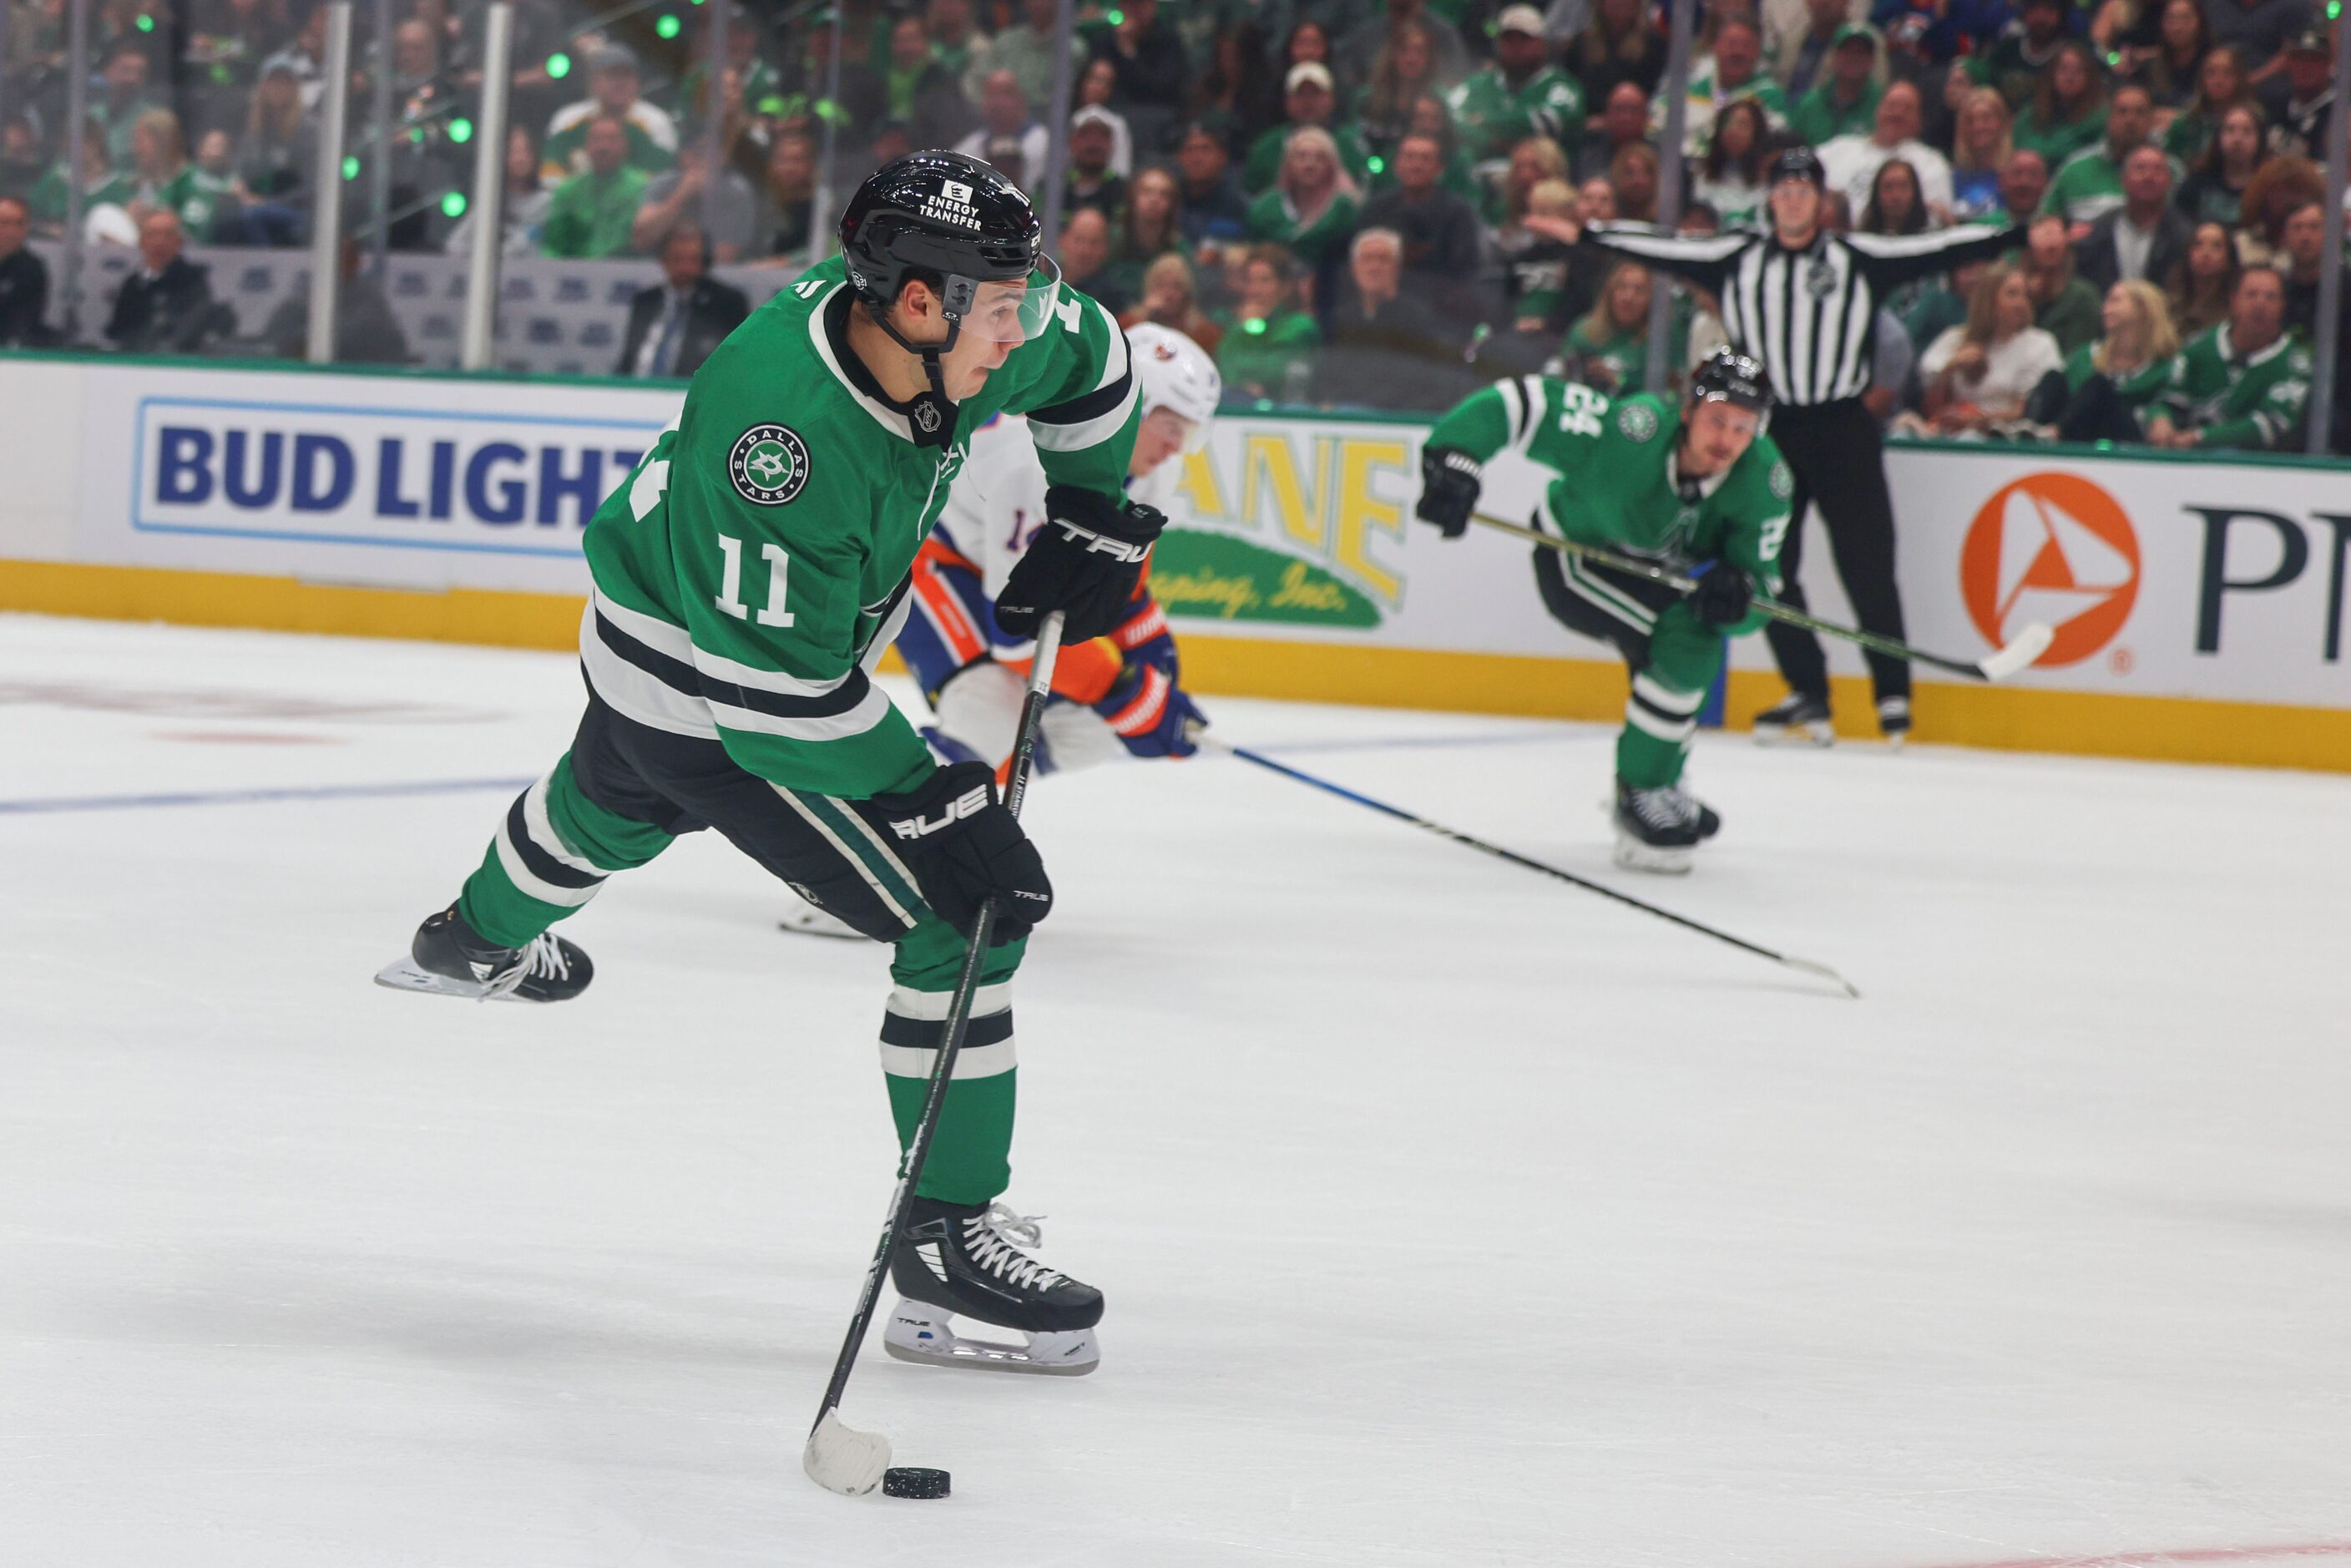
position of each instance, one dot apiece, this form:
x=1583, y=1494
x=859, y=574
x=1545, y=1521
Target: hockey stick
x=1806, y=966
x=837, y=1457
x=2021, y=651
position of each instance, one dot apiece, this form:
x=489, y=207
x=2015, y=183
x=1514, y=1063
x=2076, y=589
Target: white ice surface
x=1447, y=1215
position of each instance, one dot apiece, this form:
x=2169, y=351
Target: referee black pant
x=1838, y=456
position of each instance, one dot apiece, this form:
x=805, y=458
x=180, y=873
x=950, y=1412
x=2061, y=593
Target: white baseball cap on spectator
x=1314, y=72
x=1094, y=114
x=1520, y=19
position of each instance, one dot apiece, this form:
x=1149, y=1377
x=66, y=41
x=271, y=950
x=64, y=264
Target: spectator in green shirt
x=2067, y=111
x=1310, y=210
x=2245, y=383
x=2220, y=85
x=2064, y=306
x=591, y=213
x=1269, y=345
x=1309, y=98
x=1844, y=100
x=1611, y=343
x=2107, y=387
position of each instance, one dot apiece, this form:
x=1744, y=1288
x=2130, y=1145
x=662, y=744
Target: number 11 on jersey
x=730, y=582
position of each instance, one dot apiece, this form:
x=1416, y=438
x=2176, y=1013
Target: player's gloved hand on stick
x=1449, y=489
x=1144, y=639
x=1152, y=714
x=1084, y=562
x=963, y=848
x=1725, y=594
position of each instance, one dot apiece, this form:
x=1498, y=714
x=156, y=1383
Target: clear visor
x=1015, y=312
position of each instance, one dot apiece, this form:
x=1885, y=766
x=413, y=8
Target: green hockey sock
x=552, y=853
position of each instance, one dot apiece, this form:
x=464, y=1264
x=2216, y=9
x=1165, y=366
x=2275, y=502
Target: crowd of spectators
x=1349, y=202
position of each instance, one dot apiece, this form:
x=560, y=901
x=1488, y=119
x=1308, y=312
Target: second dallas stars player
x=1696, y=488
x=748, y=576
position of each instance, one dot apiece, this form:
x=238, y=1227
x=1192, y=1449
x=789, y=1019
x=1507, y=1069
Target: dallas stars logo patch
x=769, y=466
x=1637, y=420
x=1783, y=481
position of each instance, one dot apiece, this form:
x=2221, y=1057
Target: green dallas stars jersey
x=753, y=569
x=1615, y=481
x=1494, y=117
x=2253, y=401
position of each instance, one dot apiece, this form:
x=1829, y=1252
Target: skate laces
x=1668, y=807
x=994, y=1240
x=543, y=959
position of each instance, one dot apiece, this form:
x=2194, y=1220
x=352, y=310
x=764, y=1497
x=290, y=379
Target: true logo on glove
x=970, y=803
x=1102, y=544
x=769, y=466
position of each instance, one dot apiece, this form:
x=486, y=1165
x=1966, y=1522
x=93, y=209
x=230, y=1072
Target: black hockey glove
x=1725, y=594
x=1084, y=562
x=963, y=848
x=1449, y=489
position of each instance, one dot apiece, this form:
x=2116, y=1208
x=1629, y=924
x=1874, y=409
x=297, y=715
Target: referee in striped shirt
x=1805, y=302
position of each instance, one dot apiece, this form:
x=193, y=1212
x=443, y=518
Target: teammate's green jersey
x=1616, y=485
x=753, y=569
x=1494, y=116
x=2229, y=399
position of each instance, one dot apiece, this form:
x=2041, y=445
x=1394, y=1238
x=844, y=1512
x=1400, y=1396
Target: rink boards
x=2199, y=605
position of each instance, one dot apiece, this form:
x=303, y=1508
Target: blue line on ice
x=256, y=796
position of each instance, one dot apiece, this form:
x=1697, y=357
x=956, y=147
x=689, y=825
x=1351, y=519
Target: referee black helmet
x=1798, y=163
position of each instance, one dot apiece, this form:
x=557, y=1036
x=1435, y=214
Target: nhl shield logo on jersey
x=1638, y=421
x=769, y=466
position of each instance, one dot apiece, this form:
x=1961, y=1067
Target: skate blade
x=1794, y=735
x=1657, y=859
x=817, y=923
x=926, y=1339
x=404, y=976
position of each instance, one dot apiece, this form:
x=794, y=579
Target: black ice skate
x=966, y=1261
x=1796, y=719
x=1893, y=720
x=450, y=958
x=1657, y=828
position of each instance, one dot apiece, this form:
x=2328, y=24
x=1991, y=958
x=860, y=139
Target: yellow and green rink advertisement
x=2198, y=606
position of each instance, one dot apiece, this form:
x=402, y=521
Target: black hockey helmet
x=957, y=224
x=1732, y=377
x=948, y=219
x=1798, y=163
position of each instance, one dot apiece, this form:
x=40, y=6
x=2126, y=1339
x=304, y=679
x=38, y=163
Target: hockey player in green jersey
x=1697, y=488
x=749, y=575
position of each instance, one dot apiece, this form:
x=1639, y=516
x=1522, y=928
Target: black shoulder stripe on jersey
x=683, y=677
x=675, y=674
x=542, y=865
x=1091, y=406
x=927, y=1034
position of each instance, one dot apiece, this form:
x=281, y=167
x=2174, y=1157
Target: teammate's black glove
x=964, y=848
x=1449, y=489
x=1725, y=594
x=1084, y=562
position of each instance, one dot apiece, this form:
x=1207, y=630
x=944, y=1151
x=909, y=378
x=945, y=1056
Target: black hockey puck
x=912, y=1480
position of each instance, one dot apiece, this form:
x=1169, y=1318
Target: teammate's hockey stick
x=837, y=1457
x=1998, y=665
x=1805, y=965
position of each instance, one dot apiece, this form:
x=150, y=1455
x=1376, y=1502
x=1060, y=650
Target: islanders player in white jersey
x=1113, y=697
